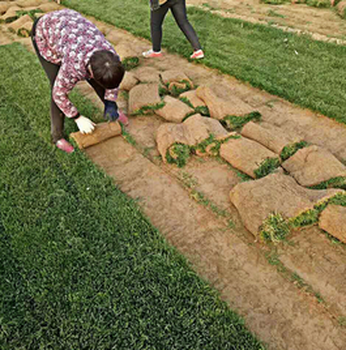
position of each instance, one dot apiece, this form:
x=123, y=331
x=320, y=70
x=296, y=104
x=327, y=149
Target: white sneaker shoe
x=152, y=54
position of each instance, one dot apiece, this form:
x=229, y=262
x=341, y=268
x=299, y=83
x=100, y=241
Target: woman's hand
x=111, y=111
x=85, y=125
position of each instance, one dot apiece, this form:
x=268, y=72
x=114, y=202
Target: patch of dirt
x=321, y=24
x=321, y=263
x=273, y=308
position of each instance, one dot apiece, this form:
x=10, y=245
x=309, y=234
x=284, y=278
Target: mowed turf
x=80, y=266
x=297, y=68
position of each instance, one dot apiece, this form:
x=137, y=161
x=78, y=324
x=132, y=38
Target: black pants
x=178, y=8
x=52, y=70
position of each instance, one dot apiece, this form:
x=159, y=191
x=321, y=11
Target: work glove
x=111, y=111
x=85, y=125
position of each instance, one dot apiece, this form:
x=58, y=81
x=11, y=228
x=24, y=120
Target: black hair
x=107, y=69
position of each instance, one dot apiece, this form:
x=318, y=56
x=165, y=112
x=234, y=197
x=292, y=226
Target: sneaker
x=64, y=146
x=152, y=54
x=197, y=55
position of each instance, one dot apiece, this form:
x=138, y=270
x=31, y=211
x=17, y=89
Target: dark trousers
x=52, y=70
x=178, y=8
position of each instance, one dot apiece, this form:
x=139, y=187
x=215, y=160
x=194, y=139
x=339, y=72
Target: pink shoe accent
x=64, y=146
x=123, y=118
x=197, y=55
x=152, y=54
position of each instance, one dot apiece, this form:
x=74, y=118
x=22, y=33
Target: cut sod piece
x=268, y=166
x=144, y=98
x=102, y=132
x=212, y=145
x=11, y=14
x=32, y=13
x=49, y=7
x=276, y=193
x=16, y=25
x=274, y=228
x=191, y=98
x=220, y=108
x=178, y=154
x=273, y=138
x=130, y=63
x=129, y=81
x=30, y=3
x=249, y=157
x=314, y=165
x=147, y=75
x=341, y=7
x=175, y=82
x=4, y=6
x=333, y=221
x=174, y=110
x=192, y=132
x=234, y=122
x=175, y=76
x=291, y=149
x=337, y=182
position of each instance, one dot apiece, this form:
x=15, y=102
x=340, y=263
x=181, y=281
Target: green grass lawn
x=80, y=266
x=297, y=68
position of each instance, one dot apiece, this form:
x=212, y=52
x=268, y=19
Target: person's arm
x=63, y=85
x=111, y=108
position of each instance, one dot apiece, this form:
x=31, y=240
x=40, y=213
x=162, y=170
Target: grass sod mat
x=275, y=228
x=81, y=267
x=306, y=72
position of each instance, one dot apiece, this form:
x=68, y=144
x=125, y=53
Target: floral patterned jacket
x=68, y=39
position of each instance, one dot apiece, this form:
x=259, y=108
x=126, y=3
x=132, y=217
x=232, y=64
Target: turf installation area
x=80, y=266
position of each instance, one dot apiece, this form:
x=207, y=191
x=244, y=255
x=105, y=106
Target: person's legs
x=156, y=20
x=57, y=117
x=178, y=9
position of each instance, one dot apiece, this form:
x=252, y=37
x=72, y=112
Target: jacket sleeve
x=112, y=95
x=63, y=85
